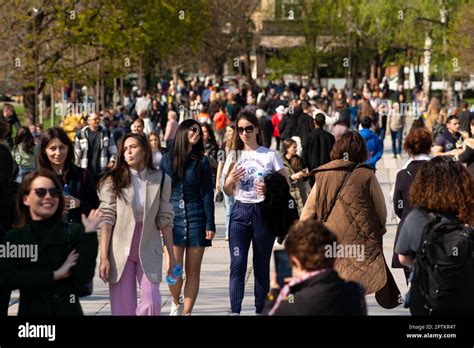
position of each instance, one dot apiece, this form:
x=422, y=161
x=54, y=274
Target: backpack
x=444, y=266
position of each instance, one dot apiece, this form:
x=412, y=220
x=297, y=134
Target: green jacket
x=40, y=294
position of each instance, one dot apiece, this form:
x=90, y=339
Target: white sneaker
x=176, y=309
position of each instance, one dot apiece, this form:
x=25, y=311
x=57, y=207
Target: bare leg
x=176, y=289
x=193, y=273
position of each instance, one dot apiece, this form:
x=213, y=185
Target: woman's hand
x=261, y=188
x=65, y=270
x=104, y=269
x=92, y=222
x=71, y=202
x=236, y=174
x=210, y=235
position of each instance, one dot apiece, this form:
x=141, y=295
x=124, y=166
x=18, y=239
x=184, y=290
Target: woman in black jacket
x=418, y=146
x=57, y=153
x=315, y=287
x=59, y=258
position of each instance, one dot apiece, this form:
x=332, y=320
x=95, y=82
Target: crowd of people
x=147, y=176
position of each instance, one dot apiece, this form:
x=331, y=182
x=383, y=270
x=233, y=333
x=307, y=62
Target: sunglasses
x=53, y=192
x=194, y=130
x=247, y=130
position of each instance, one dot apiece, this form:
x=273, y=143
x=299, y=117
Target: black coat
x=40, y=294
x=305, y=127
x=323, y=294
x=401, y=203
x=83, y=188
x=279, y=209
x=317, y=148
x=266, y=127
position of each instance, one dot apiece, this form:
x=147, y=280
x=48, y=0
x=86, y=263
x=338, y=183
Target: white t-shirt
x=261, y=160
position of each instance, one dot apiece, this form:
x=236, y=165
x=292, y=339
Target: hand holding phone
x=282, y=266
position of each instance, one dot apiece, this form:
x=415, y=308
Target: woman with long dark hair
x=193, y=202
x=210, y=148
x=56, y=153
x=245, y=169
x=61, y=256
x=155, y=145
x=135, y=202
x=24, y=152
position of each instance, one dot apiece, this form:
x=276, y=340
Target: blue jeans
x=228, y=204
x=397, y=140
x=381, y=134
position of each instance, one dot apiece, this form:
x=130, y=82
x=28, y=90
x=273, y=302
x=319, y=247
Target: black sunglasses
x=248, y=129
x=195, y=129
x=53, y=192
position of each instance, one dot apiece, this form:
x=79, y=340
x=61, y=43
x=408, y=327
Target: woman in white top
x=157, y=153
x=135, y=201
x=248, y=162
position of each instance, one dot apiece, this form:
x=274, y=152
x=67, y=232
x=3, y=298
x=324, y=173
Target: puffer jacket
x=357, y=218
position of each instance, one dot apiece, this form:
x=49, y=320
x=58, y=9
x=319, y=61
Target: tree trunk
x=427, y=61
x=29, y=104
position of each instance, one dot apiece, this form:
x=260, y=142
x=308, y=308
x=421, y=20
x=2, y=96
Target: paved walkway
x=213, y=298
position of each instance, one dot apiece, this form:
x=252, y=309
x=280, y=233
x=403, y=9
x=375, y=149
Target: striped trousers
x=246, y=225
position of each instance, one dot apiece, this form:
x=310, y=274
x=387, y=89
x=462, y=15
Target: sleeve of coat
x=397, y=195
x=207, y=189
x=309, y=209
x=166, y=212
x=91, y=199
x=87, y=246
x=378, y=200
x=108, y=202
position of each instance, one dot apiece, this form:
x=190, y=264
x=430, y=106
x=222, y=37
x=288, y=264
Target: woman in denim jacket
x=193, y=202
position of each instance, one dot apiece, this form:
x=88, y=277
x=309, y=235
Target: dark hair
x=307, y=241
x=450, y=118
x=351, y=147
x=4, y=129
x=418, y=141
x=23, y=211
x=25, y=137
x=250, y=117
x=320, y=120
x=295, y=161
x=157, y=136
x=464, y=104
x=179, y=150
x=366, y=122
x=48, y=136
x=7, y=169
x=444, y=186
x=119, y=175
x=139, y=120
x=212, y=137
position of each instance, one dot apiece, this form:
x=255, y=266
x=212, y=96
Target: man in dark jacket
x=265, y=126
x=317, y=146
x=305, y=122
x=465, y=118
x=315, y=287
x=9, y=115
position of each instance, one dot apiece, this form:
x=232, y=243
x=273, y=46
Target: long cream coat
x=118, y=212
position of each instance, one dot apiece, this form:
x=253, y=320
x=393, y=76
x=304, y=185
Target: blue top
x=374, y=146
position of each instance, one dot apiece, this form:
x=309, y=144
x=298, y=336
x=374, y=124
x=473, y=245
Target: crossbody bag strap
x=338, y=195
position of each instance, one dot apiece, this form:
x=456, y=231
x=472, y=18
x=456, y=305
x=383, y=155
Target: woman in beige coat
x=348, y=199
x=135, y=203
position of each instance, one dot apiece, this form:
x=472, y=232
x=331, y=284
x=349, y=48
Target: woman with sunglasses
x=193, y=201
x=56, y=153
x=135, y=201
x=243, y=167
x=61, y=257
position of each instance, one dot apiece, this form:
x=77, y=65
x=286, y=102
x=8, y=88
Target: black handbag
x=219, y=197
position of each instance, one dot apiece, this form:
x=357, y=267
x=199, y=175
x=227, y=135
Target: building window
x=287, y=9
